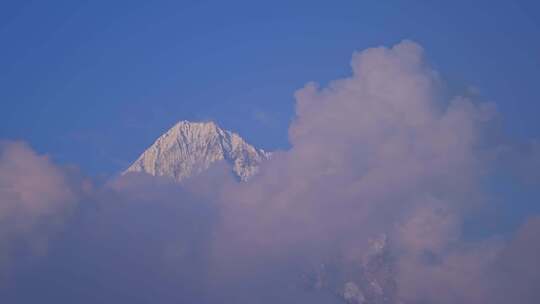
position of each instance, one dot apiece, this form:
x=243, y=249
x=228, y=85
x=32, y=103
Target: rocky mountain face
x=372, y=281
x=189, y=148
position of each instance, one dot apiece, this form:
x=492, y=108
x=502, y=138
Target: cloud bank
x=368, y=206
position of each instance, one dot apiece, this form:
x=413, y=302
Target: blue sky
x=93, y=83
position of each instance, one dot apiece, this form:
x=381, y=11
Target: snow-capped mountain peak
x=189, y=148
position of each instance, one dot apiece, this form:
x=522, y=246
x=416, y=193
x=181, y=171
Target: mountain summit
x=189, y=148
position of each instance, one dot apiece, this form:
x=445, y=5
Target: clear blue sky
x=93, y=83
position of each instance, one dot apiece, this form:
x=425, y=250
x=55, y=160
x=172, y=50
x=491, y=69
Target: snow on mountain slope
x=189, y=148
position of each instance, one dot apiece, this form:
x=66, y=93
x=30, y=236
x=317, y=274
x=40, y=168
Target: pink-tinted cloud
x=366, y=148
x=34, y=196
